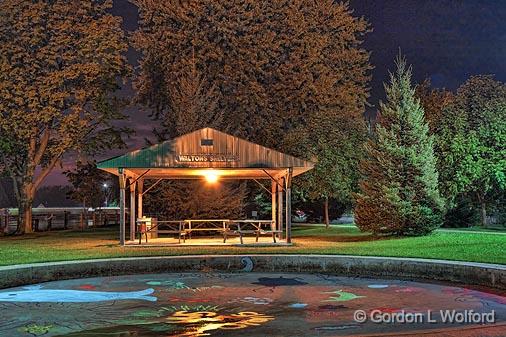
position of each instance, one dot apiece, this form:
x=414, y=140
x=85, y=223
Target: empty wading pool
x=248, y=304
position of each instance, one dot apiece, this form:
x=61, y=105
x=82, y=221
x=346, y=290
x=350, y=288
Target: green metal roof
x=205, y=148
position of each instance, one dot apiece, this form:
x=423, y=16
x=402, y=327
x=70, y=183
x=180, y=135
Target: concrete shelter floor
x=263, y=241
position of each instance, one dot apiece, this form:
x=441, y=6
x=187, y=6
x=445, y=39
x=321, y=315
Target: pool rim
x=409, y=269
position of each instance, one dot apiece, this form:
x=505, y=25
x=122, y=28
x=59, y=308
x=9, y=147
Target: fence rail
x=49, y=218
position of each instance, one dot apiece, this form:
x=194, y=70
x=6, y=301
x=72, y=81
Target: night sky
x=445, y=40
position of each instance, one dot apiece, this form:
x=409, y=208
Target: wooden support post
x=288, y=182
x=65, y=219
x=133, y=219
x=274, y=189
x=280, y=209
x=140, y=189
x=122, y=215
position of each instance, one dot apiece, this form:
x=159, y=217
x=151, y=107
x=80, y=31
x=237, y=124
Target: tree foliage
x=193, y=106
x=91, y=187
x=59, y=63
x=272, y=63
x=471, y=143
x=196, y=200
x=286, y=74
x=434, y=101
x=399, y=190
x=336, y=151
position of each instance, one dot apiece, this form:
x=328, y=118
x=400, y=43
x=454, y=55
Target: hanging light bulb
x=211, y=176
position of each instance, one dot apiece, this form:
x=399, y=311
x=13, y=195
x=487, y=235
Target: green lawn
x=101, y=243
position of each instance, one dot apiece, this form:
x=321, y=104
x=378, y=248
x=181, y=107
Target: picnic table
x=207, y=225
x=229, y=227
x=257, y=227
x=152, y=227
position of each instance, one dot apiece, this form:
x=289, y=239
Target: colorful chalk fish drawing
x=178, y=285
x=36, y=294
x=205, y=288
x=342, y=296
x=212, y=321
x=163, y=311
x=253, y=300
x=169, y=283
x=37, y=329
x=377, y=286
x=191, y=300
x=201, y=307
x=298, y=305
x=279, y=281
x=247, y=263
x=470, y=295
x=274, y=282
x=409, y=290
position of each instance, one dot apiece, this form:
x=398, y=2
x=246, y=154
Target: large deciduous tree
x=399, y=190
x=287, y=74
x=59, y=63
x=434, y=101
x=471, y=141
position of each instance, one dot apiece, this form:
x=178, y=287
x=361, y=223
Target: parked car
x=299, y=216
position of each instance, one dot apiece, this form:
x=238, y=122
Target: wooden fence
x=50, y=218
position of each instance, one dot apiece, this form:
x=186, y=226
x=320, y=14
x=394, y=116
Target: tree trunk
x=326, y=212
x=483, y=207
x=483, y=214
x=25, y=213
x=84, y=216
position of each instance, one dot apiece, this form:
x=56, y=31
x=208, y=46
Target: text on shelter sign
x=198, y=158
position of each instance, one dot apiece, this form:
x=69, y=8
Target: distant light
x=211, y=176
x=105, y=185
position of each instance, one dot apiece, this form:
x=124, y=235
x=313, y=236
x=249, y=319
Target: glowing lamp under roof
x=211, y=176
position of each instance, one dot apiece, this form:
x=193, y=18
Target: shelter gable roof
x=205, y=148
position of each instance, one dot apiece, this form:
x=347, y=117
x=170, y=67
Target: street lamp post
x=106, y=188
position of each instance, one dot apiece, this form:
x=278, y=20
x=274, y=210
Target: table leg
x=240, y=233
x=224, y=232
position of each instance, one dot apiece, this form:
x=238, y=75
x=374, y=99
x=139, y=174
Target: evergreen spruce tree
x=399, y=189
